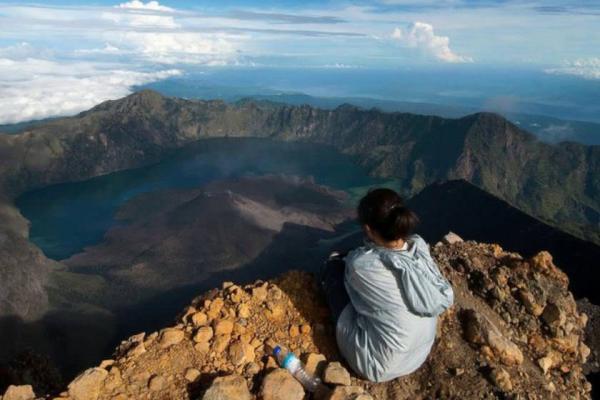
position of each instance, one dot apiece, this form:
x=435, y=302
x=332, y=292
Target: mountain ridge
x=558, y=184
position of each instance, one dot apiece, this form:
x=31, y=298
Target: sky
x=60, y=57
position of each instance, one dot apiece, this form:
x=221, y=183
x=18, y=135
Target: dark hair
x=383, y=210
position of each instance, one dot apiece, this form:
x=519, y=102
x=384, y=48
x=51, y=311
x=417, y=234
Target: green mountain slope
x=557, y=183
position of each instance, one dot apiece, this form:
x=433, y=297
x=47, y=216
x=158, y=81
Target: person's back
x=389, y=327
x=386, y=310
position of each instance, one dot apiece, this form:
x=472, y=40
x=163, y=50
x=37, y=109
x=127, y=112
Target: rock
x=227, y=285
x=348, y=393
x=113, y=379
x=305, y=329
x=243, y=311
x=170, y=337
x=451, y=238
x=584, y=352
x=223, y=327
x=543, y=263
x=251, y=369
x=214, y=309
x=294, y=331
x=220, y=343
x=202, y=347
x=156, y=383
x=199, y=319
x=480, y=330
x=203, y=334
x=553, y=315
x=315, y=364
x=274, y=311
x=529, y=302
x=191, y=374
x=501, y=378
x=23, y=392
x=232, y=387
x=336, y=374
x=88, y=384
x=132, y=347
x=260, y=293
x=546, y=363
x=241, y=353
x=106, y=364
x=280, y=385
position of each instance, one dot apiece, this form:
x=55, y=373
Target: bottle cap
x=276, y=351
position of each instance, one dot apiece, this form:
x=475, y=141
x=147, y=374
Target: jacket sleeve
x=425, y=290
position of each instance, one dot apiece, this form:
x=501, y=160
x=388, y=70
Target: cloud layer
x=128, y=42
x=421, y=35
x=588, y=68
x=33, y=88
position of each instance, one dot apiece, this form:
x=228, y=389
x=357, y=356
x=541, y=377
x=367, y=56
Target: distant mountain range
x=547, y=128
x=557, y=183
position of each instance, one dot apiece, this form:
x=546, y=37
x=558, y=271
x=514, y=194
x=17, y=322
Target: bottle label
x=290, y=362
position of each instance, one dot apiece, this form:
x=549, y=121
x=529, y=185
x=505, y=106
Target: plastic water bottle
x=289, y=361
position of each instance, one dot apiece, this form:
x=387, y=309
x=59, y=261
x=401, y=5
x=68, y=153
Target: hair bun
x=384, y=211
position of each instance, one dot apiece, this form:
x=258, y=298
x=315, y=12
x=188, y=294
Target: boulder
x=241, y=353
x=231, y=387
x=23, y=392
x=191, y=374
x=315, y=364
x=530, y=303
x=451, y=238
x=170, y=337
x=543, y=263
x=243, y=311
x=259, y=293
x=199, y=319
x=223, y=327
x=220, y=343
x=553, y=315
x=480, y=330
x=349, y=393
x=501, y=378
x=156, y=383
x=336, y=374
x=87, y=385
x=203, y=334
x=214, y=308
x=280, y=385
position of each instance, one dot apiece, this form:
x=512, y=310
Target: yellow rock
x=199, y=319
x=203, y=334
x=223, y=327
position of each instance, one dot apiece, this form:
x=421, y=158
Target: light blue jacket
x=389, y=326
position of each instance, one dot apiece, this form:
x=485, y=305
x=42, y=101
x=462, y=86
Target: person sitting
x=385, y=296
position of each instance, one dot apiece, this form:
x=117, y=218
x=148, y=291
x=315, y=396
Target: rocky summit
x=514, y=332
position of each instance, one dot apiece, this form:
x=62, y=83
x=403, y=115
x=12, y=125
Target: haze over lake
x=67, y=217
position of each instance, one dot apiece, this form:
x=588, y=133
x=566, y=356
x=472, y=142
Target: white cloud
x=140, y=20
x=34, y=88
x=181, y=47
x=421, y=35
x=140, y=5
x=340, y=66
x=107, y=49
x=588, y=68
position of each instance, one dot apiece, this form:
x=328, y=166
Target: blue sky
x=59, y=57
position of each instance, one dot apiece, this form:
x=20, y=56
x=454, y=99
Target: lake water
x=67, y=217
